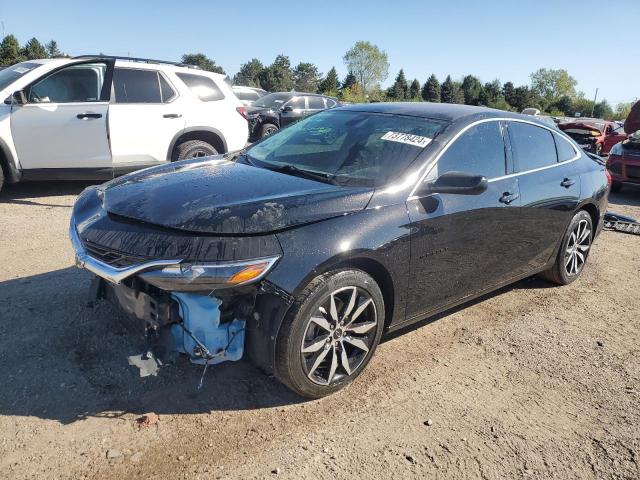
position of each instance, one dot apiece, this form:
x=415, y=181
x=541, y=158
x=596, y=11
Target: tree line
x=552, y=91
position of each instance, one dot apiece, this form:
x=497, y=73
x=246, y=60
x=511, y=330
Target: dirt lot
x=533, y=381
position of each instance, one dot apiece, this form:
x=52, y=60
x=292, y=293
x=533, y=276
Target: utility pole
x=594, y=103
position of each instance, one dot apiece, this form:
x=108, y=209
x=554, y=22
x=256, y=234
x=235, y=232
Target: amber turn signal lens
x=248, y=273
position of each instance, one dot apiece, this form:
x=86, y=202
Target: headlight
x=209, y=276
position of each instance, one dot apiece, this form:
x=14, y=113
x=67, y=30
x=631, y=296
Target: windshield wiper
x=293, y=170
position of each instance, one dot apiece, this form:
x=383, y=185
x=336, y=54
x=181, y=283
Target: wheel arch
x=8, y=165
x=210, y=135
x=593, y=212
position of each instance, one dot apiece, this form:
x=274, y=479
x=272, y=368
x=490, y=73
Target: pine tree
x=400, y=89
x=33, y=50
x=509, y=93
x=278, y=76
x=472, y=89
x=414, y=90
x=349, y=81
x=431, y=90
x=249, y=73
x=10, y=51
x=306, y=77
x=52, y=50
x=330, y=84
x=447, y=91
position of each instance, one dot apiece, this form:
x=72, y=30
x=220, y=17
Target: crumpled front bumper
x=175, y=322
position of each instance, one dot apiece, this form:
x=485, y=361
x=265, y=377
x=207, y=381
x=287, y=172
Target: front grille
x=112, y=257
x=633, y=171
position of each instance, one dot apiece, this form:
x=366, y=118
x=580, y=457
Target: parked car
x=624, y=158
x=594, y=135
x=303, y=249
x=95, y=117
x=276, y=110
x=248, y=95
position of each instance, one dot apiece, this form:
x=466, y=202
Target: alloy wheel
x=577, y=247
x=339, y=335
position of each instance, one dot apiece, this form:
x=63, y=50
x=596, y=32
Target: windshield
x=273, y=100
x=358, y=148
x=12, y=73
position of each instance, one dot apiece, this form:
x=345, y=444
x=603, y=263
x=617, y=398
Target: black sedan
x=301, y=251
x=274, y=111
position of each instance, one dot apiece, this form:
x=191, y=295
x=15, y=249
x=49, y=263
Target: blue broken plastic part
x=201, y=316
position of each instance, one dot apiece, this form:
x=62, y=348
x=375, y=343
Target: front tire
x=574, y=250
x=268, y=129
x=194, y=149
x=330, y=334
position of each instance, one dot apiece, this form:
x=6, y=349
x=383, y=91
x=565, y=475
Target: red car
x=594, y=135
x=624, y=158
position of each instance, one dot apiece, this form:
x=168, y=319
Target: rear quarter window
x=203, y=87
x=564, y=148
x=533, y=147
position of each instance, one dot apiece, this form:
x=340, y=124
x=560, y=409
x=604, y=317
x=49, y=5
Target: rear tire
x=1, y=178
x=574, y=251
x=616, y=186
x=268, y=129
x=330, y=334
x=194, y=149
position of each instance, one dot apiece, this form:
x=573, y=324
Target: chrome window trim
x=432, y=164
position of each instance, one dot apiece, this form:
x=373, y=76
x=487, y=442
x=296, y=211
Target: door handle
x=567, y=182
x=172, y=115
x=508, y=197
x=86, y=116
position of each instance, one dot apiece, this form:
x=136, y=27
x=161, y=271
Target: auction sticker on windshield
x=415, y=140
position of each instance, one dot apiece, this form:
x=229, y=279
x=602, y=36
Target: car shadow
x=28, y=193
x=65, y=361
x=528, y=283
x=629, y=195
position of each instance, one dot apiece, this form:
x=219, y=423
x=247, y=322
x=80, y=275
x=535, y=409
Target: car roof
x=296, y=94
x=450, y=112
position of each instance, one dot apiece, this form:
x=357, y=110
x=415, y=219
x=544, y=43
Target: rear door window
x=136, y=86
x=479, y=150
x=316, y=103
x=533, y=147
x=203, y=87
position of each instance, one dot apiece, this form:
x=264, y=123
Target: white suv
x=96, y=117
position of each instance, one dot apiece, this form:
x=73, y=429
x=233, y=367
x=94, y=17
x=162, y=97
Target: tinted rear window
x=136, y=86
x=479, y=150
x=533, y=147
x=203, y=87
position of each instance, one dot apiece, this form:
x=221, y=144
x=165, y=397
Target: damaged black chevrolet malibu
x=302, y=250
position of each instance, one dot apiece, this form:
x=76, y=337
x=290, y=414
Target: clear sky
x=596, y=41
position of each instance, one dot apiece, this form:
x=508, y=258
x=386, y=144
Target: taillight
x=606, y=172
x=242, y=111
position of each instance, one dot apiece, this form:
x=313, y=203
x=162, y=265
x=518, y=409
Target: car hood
x=580, y=126
x=632, y=123
x=254, y=110
x=219, y=196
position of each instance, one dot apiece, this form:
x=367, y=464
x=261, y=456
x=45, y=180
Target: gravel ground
x=533, y=381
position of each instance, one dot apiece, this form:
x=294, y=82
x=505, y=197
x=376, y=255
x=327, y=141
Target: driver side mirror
x=19, y=98
x=287, y=108
x=461, y=183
